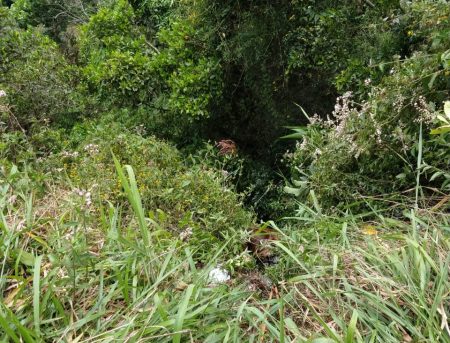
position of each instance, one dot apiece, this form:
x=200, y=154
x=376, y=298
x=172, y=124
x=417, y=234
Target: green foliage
x=56, y=16
x=246, y=38
x=113, y=263
x=273, y=54
x=38, y=82
x=154, y=14
x=193, y=81
x=66, y=275
x=166, y=85
x=116, y=56
x=180, y=198
x=259, y=183
x=382, y=270
x=445, y=120
x=371, y=148
x=109, y=233
x=13, y=145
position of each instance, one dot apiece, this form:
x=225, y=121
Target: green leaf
x=181, y=314
x=349, y=338
x=447, y=109
x=300, y=184
x=36, y=293
x=291, y=326
x=292, y=190
x=299, y=132
x=440, y=130
x=4, y=323
x=24, y=257
x=433, y=78
x=21, y=331
x=131, y=190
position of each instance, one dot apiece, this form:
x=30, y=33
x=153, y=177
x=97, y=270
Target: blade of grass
x=24, y=333
x=7, y=329
x=419, y=166
x=130, y=186
x=36, y=293
x=322, y=322
x=349, y=338
x=181, y=314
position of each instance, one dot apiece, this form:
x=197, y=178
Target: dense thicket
x=239, y=70
x=146, y=143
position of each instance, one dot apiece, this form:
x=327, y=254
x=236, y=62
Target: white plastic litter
x=218, y=275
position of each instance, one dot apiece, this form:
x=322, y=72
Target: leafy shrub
x=179, y=197
x=154, y=14
x=35, y=76
x=372, y=147
x=55, y=15
x=259, y=183
x=115, y=56
x=165, y=85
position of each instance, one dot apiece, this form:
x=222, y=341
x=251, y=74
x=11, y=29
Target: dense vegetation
x=301, y=148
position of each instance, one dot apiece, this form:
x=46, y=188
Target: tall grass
x=388, y=283
x=66, y=279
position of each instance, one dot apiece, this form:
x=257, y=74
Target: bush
x=55, y=15
x=158, y=79
x=38, y=81
x=115, y=56
x=179, y=197
x=260, y=184
x=371, y=148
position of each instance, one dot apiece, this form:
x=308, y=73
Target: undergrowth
x=127, y=277
x=145, y=195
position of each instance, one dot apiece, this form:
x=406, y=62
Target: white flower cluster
x=86, y=196
x=399, y=102
x=72, y=154
x=2, y=93
x=92, y=149
x=315, y=119
x=304, y=144
x=426, y=115
x=186, y=234
x=342, y=112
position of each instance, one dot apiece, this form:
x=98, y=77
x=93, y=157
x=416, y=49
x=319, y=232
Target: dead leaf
x=444, y=321
x=181, y=286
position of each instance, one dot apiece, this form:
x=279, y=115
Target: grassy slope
x=66, y=279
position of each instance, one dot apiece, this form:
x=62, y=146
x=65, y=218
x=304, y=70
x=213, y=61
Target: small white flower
x=317, y=152
x=86, y=196
x=378, y=134
x=12, y=199
x=186, y=234
x=92, y=149
x=70, y=154
x=2, y=93
x=304, y=144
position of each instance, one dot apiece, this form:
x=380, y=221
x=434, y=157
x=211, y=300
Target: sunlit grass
x=66, y=279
